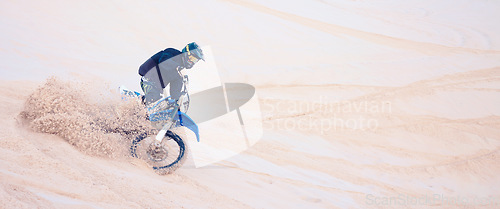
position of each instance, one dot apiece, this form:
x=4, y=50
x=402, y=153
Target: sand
x=364, y=104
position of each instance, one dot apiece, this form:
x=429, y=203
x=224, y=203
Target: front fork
x=161, y=134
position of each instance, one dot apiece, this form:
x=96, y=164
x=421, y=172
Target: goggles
x=192, y=58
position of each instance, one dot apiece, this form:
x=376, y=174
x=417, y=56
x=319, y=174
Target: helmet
x=192, y=53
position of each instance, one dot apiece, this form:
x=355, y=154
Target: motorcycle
x=166, y=151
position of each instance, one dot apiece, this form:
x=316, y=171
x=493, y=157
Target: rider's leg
x=151, y=91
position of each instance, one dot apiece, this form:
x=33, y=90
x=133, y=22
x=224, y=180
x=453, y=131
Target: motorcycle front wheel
x=164, y=159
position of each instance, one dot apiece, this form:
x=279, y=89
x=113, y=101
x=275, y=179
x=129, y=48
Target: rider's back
x=167, y=60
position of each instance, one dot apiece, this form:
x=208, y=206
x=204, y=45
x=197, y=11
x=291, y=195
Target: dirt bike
x=166, y=151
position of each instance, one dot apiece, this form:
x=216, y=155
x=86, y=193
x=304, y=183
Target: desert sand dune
x=364, y=104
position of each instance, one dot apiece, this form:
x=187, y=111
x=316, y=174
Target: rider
x=164, y=68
